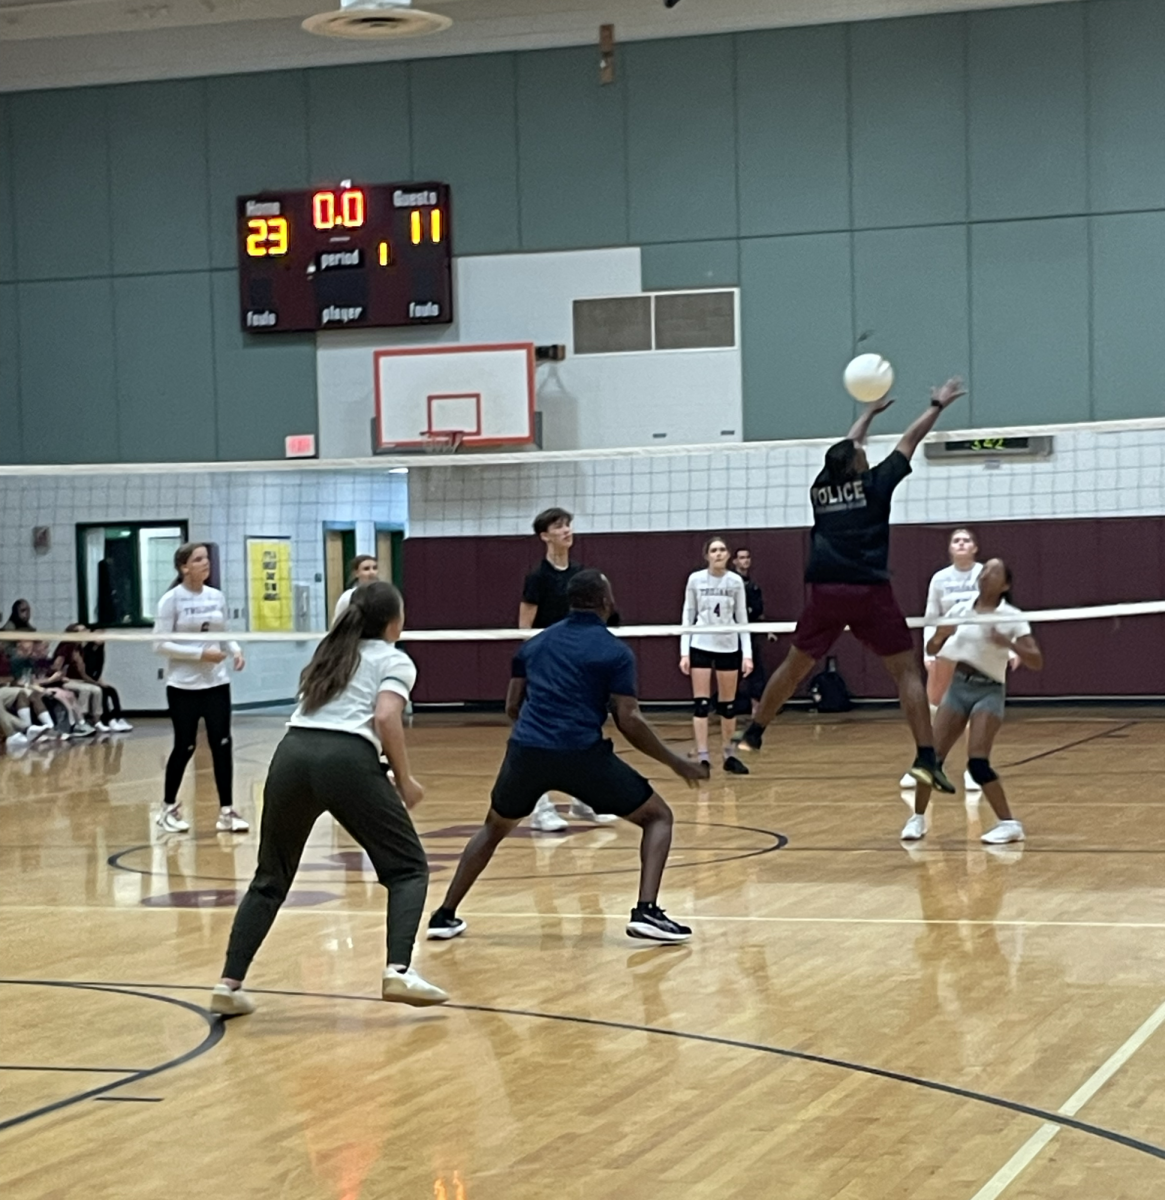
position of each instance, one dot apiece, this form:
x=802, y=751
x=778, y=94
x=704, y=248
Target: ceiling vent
x=376, y=19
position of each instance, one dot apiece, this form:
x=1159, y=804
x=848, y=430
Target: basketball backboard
x=431, y=397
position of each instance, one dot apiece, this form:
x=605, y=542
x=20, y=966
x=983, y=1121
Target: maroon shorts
x=869, y=609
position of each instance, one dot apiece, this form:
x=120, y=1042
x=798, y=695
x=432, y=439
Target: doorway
x=339, y=550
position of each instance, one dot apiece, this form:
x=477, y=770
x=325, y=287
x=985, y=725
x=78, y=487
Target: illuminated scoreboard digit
x=346, y=257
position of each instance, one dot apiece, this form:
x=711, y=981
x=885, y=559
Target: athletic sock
x=24, y=715
x=926, y=756
x=702, y=756
x=45, y=720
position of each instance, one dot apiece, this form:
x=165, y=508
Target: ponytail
x=338, y=655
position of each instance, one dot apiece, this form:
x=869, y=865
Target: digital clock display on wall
x=345, y=257
x=1037, y=446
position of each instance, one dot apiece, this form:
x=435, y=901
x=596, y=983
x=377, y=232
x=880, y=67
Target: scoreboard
x=346, y=257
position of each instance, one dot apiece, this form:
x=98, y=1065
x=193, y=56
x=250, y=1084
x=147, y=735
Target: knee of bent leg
x=980, y=771
x=702, y=706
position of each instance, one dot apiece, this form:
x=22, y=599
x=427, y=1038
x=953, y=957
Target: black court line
x=934, y=1085
x=779, y=842
x=1092, y=737
x=213, y=1036
x=132, y=1099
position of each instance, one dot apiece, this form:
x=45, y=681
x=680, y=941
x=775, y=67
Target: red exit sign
x=299, y=445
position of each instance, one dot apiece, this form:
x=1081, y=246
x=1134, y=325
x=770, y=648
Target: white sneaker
x=231, y=1002
x=407, y=987
x=229, y=821
x=546, y=818
x=914, y=829
x=170, y=819
x=969, y=784
x=584, y=812
x=120, y=726
x=101, y=727
x=908, y=781
x=17, y=741
x=1004, y=832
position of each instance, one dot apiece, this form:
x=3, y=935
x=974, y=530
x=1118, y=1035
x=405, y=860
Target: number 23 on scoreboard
x=266, y=236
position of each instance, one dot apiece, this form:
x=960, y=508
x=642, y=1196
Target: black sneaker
x=651, y=922
x=751, y=738
x=734, y=766
x=443, y=926
x=932, y=777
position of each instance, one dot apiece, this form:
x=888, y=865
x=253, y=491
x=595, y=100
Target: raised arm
x=940, y=399
x=859, y=430
x=634, y=727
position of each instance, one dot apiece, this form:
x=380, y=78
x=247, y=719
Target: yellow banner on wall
x=269, y=577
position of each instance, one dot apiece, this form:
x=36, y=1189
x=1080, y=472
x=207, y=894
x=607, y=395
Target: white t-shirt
x=949, y=587
x=715, y=600
x=382, y=668
x=182, y=611
x=342, y=604
x=972, y=644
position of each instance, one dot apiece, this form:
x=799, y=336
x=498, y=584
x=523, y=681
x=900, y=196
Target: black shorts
x=597, y=777
x=715, y=662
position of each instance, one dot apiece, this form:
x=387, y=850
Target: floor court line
x=378, y=914
x=1027, y=1153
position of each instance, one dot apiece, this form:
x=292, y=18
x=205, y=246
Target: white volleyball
x=868, y=378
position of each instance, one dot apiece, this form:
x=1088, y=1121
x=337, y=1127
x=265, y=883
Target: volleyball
x=868, y=378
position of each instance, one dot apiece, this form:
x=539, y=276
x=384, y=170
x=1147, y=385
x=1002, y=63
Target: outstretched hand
x=881, y=406
x=948, y=393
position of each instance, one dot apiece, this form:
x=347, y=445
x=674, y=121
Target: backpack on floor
x=828, y=690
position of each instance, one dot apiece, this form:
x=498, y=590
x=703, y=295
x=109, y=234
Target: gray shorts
x=971, y=692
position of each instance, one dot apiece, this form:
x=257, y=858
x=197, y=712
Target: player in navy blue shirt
x=564, y=683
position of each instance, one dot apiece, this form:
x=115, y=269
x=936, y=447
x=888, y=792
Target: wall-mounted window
x=123, y=569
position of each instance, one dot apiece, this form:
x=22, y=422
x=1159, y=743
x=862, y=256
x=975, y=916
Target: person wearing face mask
x=197, y=684
x=715, y=596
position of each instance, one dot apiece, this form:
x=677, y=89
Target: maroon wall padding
x=475, y=583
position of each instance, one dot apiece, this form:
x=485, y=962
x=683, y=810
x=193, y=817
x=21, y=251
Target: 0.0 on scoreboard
x=345, y=257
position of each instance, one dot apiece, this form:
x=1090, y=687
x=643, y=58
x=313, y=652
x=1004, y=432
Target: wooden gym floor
x=850, y=1020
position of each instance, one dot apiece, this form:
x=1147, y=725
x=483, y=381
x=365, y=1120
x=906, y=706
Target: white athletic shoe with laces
x=1004, y=832
x=584, y=812
x=121, y=725
x=914, y=829
x=546, y=818
x=407, y=987
x=170, y=819
x=908, y=781
x=230, y=1002
x=229, y=821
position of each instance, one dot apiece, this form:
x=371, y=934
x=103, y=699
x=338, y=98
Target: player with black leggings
x=197, y=685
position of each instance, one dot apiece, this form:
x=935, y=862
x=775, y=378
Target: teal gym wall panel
x=681, y=139
x=265, y=388
x=257, y=141
x=908, y=98
x=1026, y=120
x=10, y=447
x=165, y=368
x=1128, y=297
x=60, y=179
x=1126, y=71
x=358, y=124
x=68, y=387
x=1029, y=313
x=158, y=184
x=464, y=133
x=797, y=335
x=572, y=152
x=911, y=289
x=690, y=265
x=7, y=220
x=791, y=109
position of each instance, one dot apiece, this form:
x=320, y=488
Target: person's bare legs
x=939, y=673
x=701, y=690
x=475, y=857
x=948, y=728
x=726, y=692
x=984, y=727
x=654, y=819
x=781, y=685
